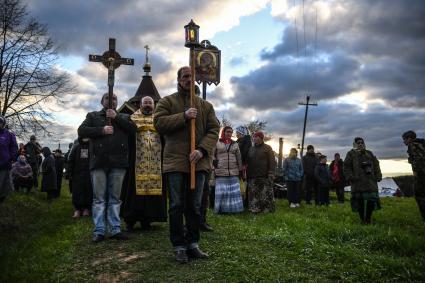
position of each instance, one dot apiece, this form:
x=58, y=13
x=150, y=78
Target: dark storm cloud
x=373, y=47
x=82, y=26
x=386, y=38
x=282, y=84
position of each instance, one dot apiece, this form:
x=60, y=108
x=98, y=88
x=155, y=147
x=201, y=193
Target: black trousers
x=339, y=190
x=294, y=188
x=59, y=183
x=185, y=208
x=420, y=192
x=34, y=167
x=365, y=216
x=311, y=189
x=205, y=199
x=323, y=195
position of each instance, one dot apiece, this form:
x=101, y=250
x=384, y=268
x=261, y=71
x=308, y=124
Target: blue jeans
x=107, y=185
x=186, y=203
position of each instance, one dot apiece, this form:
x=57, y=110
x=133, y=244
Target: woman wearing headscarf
x=228, y=165
x=293, y=172
x=361, y=168
x=21, y=174
x=261, y=170
x=48, y=181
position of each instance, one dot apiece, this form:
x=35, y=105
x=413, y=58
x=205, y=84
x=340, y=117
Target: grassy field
x=41, y=243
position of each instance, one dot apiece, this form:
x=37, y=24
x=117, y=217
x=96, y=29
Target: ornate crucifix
x=147, y=53
x=111, y=59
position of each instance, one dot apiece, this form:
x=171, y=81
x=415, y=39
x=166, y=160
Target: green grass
x=41, y=243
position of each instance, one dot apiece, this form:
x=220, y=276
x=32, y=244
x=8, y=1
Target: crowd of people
x=129, y=167
x=21, y=165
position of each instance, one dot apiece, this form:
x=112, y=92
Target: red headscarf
x=223, y=137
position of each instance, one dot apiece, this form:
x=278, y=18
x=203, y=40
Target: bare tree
x=258, y=125
x=28, y=77
x=225, y=122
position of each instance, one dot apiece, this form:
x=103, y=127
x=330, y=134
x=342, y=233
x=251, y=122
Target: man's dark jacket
x=32, y=151
x=244, y=146
x=322, y=175
x=310, y=161
x=107, y=151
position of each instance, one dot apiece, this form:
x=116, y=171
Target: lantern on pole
x=191, y=35
x=192, y=41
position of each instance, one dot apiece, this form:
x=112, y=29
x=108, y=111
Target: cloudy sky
x=362, y=61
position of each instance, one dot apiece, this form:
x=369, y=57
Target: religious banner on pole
x=207, y=63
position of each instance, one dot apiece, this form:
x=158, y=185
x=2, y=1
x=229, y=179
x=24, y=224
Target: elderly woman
x=21, y=174
x=261, y=170
x=228, y=165
x=361, y=168
x=293, y=172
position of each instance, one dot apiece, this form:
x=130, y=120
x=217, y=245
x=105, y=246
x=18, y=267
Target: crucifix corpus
x=111, y=59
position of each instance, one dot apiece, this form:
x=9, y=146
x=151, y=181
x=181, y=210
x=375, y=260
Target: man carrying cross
x=108, y=132
x=108, y=164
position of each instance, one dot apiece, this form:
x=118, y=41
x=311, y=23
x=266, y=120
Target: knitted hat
x=242, y=130
x=259, y=134
x=356, y=139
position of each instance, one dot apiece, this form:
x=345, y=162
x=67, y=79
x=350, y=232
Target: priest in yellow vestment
x=144, y=197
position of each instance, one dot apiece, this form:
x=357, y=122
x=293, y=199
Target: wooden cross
x=111, y=59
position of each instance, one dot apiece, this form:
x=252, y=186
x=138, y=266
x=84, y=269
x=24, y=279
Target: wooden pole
x=307, y=104
x=192, y=121
x=280, y=158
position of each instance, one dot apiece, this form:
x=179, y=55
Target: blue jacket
x=8, y=149
x=293, y=169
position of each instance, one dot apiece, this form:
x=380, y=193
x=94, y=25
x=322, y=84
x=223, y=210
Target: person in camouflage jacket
x=361, y=168
x=416, y=152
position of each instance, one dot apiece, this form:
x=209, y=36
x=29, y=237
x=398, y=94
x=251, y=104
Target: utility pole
x=307, y=104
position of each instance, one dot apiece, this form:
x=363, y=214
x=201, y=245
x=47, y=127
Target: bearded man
x=144, y=197
x=172, y=120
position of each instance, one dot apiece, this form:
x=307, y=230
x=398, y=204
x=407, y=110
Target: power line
x=296, y=29
x=305, y=41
